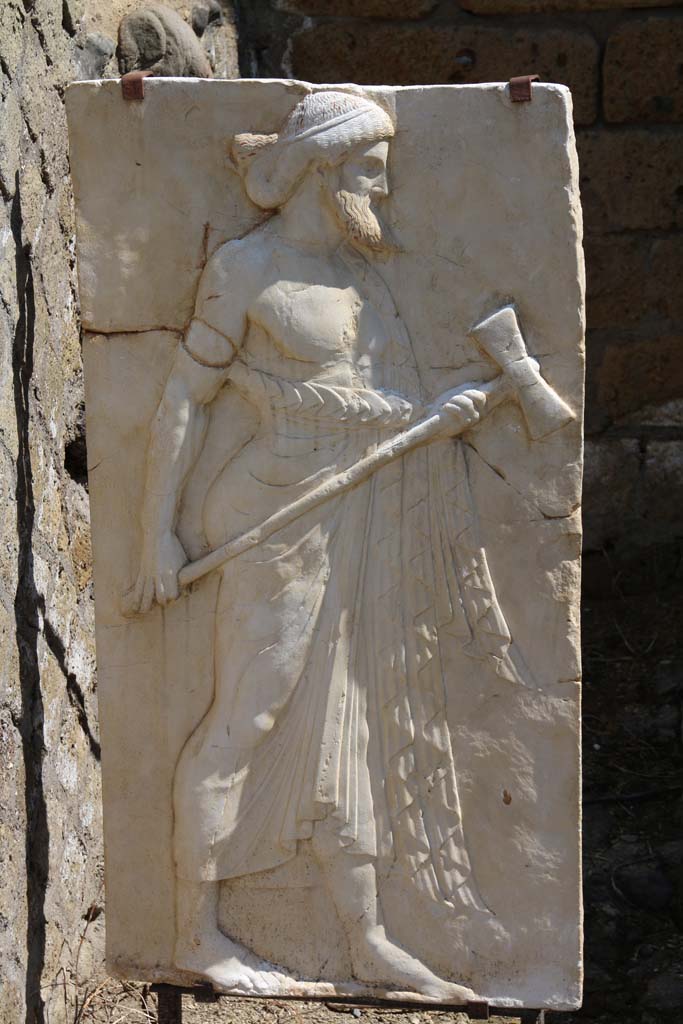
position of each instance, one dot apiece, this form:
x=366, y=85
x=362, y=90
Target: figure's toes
x=270, y=984
x=264, y=977
x=234, y=984
x=450, y=992
x=282, y=983
x=259, y=982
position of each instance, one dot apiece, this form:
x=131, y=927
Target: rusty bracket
x=133, y=84
x=520, y=88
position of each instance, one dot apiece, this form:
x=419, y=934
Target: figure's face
x=365, y=171
x=353, y=188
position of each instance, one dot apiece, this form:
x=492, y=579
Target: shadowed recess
x=27, y=618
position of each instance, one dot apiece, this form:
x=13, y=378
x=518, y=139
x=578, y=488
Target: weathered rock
x=50, y=838
x=205, y=14
x=634, y=373
x=157, y=39
x=360, y=8
x=618, y=510
x=630, y=279
x=219, y=38
x=642, y=78
x=665, y=993
x=94, y=55
x=102, y=19
x=660, y=726
x=648, y=167
x=645, y=884
x=668, y=682
x=551, y=6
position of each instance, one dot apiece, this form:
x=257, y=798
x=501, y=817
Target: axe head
x=501, y=339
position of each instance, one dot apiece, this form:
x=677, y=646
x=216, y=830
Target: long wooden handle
x=495, y=390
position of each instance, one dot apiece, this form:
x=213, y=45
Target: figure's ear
x=274, y=173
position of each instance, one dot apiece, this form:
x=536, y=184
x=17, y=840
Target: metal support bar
x=205, y=995
x=477, y=1011
x=171, y=1007
x=169, y=1004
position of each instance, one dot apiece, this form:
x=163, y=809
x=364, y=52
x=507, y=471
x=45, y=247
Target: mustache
x=361, y=224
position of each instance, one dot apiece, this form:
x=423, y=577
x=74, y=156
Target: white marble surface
x=380, y=791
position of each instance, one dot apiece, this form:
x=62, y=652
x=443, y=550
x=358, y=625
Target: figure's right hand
x=460, y=409
x=162, y=559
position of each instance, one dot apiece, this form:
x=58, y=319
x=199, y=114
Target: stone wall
x=622, y=61
x=50, y=830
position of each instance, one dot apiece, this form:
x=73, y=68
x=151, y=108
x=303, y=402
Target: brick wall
x=624, y=64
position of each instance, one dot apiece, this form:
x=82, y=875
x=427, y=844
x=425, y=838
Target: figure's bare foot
x=378, y=960
x=228, y=966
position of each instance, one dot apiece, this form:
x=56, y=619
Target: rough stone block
x=95, y=25
x=642, y=71
x=637, y=372
x=156, y=38
x=633, y=277
x=461, y=55
x=632, y=179
x=10, y=140
x=643, y=499
x=359, y=8
x=614, y=510
x=662, y=490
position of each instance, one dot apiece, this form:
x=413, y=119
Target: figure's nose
x=380, y=187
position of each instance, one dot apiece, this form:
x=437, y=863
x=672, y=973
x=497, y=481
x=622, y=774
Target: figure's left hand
x=163, y=556
x=460, y=410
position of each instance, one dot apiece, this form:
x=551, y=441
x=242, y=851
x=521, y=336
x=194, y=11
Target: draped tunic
x=332, y=637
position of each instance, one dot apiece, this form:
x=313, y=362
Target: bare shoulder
x=239, y=269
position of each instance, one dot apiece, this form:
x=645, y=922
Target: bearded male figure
x=328, y=721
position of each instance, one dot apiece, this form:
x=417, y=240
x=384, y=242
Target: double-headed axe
x=501, y=339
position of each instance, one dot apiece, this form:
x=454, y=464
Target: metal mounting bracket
x=133, y=84
x=520, y=88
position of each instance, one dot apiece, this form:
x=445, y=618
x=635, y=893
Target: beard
x=360, y=224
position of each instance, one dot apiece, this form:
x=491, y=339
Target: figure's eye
x=371, y=168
